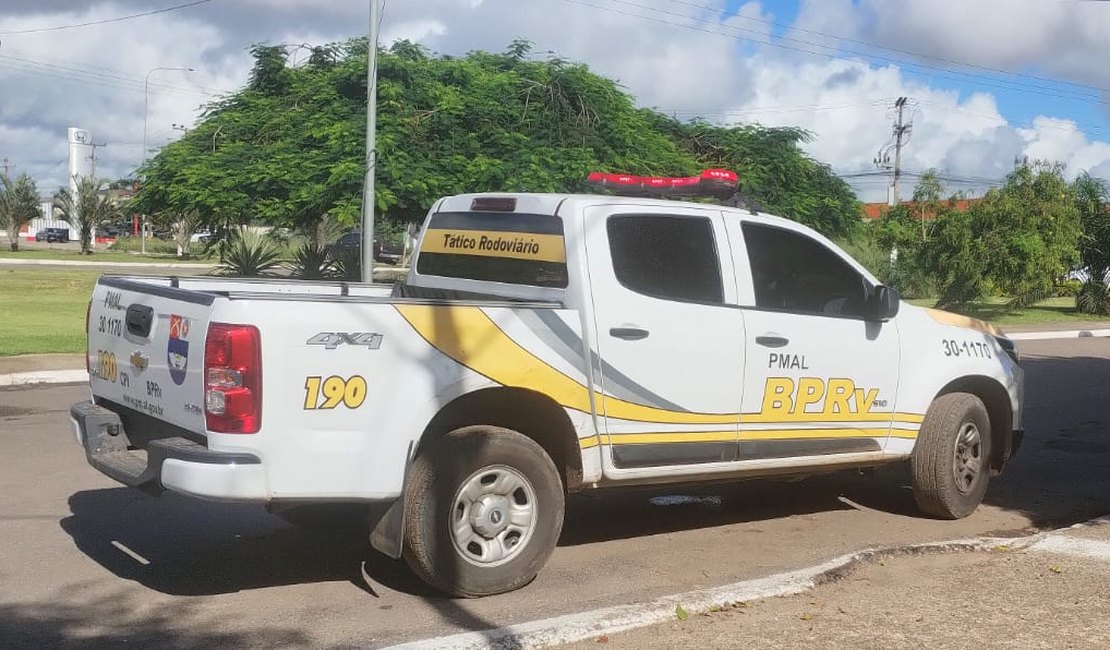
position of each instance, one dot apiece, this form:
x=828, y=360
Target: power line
x=87, y=76
x=766, y=40
x=100, y=71
x=117, y=19
x=896, y=49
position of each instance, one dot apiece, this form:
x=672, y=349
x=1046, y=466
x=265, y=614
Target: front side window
x=673, y=258
x=793, y=272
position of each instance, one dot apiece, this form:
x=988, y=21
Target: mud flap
x=387, y=530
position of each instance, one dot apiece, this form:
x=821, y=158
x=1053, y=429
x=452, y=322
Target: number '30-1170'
x=321, y=393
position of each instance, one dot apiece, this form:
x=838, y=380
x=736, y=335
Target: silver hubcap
x=968, y=457
x=494, y=516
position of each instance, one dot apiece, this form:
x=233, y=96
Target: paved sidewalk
x=1052, y=594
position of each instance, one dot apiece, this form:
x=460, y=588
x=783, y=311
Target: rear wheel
x=483, y=511
x=950, y=465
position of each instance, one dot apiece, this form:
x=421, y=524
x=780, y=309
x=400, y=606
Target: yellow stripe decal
x=488, y=243
x=774, y=418
x=669, y=437
x=957, y=320
x=470, y=337
x=467, y=335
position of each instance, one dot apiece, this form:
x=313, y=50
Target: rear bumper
x=176, y=464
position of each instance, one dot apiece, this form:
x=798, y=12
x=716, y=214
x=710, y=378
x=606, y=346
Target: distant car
x=389, y=252
x=51, y=235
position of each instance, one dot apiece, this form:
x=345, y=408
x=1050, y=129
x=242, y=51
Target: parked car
x=387, y=252
x=51, y=235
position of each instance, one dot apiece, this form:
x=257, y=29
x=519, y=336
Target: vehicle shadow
x=181, y=546
x=178, y=546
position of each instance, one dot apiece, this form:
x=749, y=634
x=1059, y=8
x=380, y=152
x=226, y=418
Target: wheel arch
x=527, y=412
x=996, y=399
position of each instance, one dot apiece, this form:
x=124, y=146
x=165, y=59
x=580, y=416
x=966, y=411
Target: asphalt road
x=85, y=561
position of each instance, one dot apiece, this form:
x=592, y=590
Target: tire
x=950, y=464
x=493, y=536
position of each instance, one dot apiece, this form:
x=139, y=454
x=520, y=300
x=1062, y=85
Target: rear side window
x=504, y=247
x=674, y=258
x=792, y=272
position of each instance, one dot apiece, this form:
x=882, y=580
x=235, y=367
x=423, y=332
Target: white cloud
x=673, y=58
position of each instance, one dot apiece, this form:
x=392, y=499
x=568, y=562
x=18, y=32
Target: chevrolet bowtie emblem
x=139, y=361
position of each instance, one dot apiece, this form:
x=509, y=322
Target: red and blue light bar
x=711, y=182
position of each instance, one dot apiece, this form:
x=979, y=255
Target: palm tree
x=19, y=204
x=83, y=211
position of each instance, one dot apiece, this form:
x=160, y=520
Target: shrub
x=154, y=246
x=1093, y=297
x=249, y=254
x=1067, y=289
x=312, y=261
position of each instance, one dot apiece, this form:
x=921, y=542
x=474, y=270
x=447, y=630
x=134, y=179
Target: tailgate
x=146, y=348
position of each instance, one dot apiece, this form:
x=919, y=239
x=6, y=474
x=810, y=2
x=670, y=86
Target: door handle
x=628, y=333
x=772, y=341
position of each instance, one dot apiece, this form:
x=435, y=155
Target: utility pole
x=900, y=129
x=92, y=156
x=371, y=143
x=7, y=165
x=899, y=137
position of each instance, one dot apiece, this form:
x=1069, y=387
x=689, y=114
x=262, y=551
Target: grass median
x=995, y=310
x=43, y=310
x=67, y=255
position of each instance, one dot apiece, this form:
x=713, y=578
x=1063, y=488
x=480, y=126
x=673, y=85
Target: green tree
x=1091, y=197
x=19, y=204
x=182, y=226
x=1018, y=240
x=83, y=210
x=927, y=198
x=287, y=150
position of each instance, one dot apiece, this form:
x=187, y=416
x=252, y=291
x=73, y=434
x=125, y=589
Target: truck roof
x=549, y=203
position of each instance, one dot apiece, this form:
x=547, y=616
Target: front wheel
x=950, y=465
x=483, y=512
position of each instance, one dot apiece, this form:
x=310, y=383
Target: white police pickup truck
x=542, y=344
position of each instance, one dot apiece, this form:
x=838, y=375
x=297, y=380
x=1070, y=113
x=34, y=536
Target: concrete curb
x=44, y=377
x=149, y=265
x=1058, y=334
x=612, y=620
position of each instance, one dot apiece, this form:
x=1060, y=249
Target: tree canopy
x=1018, y=241
x=288, y=150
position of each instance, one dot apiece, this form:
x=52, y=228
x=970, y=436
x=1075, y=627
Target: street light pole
x=371, y=152
x=146, y=115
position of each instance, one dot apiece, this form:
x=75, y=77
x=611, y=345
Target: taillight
x=88, y=349
x=233, y=378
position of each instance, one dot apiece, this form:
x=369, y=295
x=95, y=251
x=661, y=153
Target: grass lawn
x=43, y=310
x=98, y=256
x=1053, y=310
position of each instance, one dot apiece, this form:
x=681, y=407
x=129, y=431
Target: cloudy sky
x=987, y=80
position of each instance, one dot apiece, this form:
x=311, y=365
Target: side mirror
x=883, y=304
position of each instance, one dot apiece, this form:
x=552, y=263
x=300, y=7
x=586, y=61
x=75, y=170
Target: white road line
x=612, y=620
x=131, y=554
x=45, y=377
x=1074, y=547
x=1062, y=334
